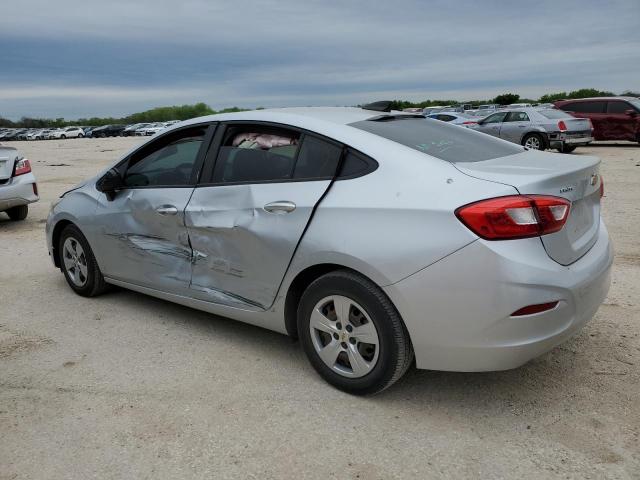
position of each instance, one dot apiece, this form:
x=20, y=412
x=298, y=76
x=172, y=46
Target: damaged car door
x=142, y=236
x=245, y=222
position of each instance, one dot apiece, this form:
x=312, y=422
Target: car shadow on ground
x=542, y=379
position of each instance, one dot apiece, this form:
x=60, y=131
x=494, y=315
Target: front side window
x=256, y=154
x=495, y=118
x=166, y=162
x=517, y=117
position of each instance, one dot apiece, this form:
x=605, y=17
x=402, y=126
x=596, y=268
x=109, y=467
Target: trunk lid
x=575, y=178
x=7, y=159
x=577, y=125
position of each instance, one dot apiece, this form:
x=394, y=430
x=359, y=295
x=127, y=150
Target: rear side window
x=317, y=159
x=618, y=107
x=256, y=154
x=439, y=139
x=585, y=107
x=517, y=117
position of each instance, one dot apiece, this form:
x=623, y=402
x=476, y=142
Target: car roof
x=596, y=98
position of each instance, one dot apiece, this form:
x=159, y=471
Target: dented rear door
x=241, y=246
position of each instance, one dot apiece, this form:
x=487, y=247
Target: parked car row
x=563, y=126
x=115, y=130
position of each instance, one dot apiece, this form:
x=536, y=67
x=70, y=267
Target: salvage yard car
x=18, y=186
x=538, y=129
x=613, y=118
x=371, y=235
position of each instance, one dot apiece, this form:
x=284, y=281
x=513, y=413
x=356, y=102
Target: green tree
x=506, y=99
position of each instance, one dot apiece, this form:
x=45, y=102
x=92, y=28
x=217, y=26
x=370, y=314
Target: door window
x=256, y=154
x=618, y=107
x=317, y=159
x=585, y=107
x=495, y=118
x=169, y=161
x=517, y=117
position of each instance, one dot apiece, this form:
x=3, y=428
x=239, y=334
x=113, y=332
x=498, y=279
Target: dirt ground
x=127, y=386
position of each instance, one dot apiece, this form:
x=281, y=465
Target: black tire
x=63, y=136
x=18, y=213
x=566, y=149
x=396, y=352
x=80, y=135
x=537, y=136
x=94, y=284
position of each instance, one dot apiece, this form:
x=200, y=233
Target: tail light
x=22, y=166
x=515, y=216
x=562, y=126
x=469, y=123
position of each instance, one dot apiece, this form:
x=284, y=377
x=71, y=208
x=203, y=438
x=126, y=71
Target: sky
x=72, y=59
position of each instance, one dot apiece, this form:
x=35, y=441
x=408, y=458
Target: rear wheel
x=63, y=136
x=533, y=141
x=78, y=263
x=18, y=213
x=352, y=333
x=80, y=135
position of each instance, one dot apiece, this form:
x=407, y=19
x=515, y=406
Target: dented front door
x=244, y=236
x=142, y=238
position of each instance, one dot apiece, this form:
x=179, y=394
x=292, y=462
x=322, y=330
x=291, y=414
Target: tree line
x=184, y=112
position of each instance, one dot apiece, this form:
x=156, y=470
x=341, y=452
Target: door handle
x=167, y=210
x=281, y=206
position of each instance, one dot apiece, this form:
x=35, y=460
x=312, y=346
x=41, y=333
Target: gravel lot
x=127, y=386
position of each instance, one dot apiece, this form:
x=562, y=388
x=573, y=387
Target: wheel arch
x=299, y=284
x=55, y=239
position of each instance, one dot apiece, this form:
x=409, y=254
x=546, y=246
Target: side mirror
x=110, y=183
x=631, y=112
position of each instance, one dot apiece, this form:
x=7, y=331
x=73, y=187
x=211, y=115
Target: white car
x=18, y=186
x=154, y=128
x=68, y=132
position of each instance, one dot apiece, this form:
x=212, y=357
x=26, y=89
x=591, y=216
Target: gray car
x=373, y=236
x=538, y=129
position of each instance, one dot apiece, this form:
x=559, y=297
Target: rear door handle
x=281, y=206
x=167, y=210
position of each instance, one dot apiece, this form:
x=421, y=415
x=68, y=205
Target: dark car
x=613, y=118
x=108, y=131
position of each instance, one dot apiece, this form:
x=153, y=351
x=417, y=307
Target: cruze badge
x=566, y=189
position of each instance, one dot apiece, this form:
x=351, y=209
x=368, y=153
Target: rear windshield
x=447, y=142
x=553, y=114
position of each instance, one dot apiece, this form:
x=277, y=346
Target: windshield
x=635, y=103
x=553, y=114
x=438, y=139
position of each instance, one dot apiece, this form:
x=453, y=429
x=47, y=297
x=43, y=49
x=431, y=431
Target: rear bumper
x=557, y=140
x=17, y=191
x=458, y=310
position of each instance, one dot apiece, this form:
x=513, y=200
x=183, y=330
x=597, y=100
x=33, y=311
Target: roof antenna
x=382, y=106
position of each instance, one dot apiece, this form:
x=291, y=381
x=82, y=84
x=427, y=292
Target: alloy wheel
x=344, y=336
x=532, y=143
x=75, y=261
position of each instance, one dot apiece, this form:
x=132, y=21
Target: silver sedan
x=538, y=129
x=375, y=237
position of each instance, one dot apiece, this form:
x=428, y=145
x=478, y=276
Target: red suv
x=613, y=118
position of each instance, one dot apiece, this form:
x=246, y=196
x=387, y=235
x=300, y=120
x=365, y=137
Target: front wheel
x=63, y=136
x=18, y=213
x=533, y=141
x=80, y=135
x=352, y=333
x=78, y=263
